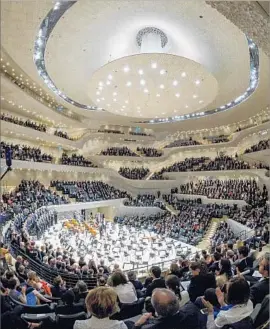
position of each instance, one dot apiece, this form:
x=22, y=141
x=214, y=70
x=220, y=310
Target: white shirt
x=233, y=315
x=95, y=323
x=126, y=293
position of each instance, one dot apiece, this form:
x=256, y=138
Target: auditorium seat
x=129, y=310
x=67, y=321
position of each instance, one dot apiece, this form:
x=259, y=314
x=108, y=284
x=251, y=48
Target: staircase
x=205, y=243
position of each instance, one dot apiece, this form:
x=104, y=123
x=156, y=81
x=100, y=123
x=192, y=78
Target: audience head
x=243, y=252
x=264, y=265
x=68, y=297
x=195, y=268
x=174, y=268
x=172, y=282
x=102, y=281
x=216, y=256
x=101, y=302
x=57, y=281
x=211, y=297
x=81, y=286
x=132, y=276
x=118, y=278
x=225, y=267
x=238, y=291
x=12, y=283
x=156, y=272
x=165, y=302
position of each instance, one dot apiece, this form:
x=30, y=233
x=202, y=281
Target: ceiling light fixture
x=175, y=83
x=197, y=82
x=142, y=82
x=108, y=82
x=194, y=96
x=201, y=101
x=110, y=77
x=162, y=71
x=97, y=93
x=115, y=93
x=158, y=95
x=126, y=101
x=126, y=69
x=177, y=95
x=140, y=72
x=145, y=90
x=183, y=75
x=154, y=65
x=161, y=86
x=114, y=99
x=128, y=84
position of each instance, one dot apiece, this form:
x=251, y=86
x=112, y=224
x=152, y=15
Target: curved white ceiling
x=92, y=33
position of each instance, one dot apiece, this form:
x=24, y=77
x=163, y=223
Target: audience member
x=76, y=160
x=180, y=142
x=149, y=152
x=69, y=306
x=124, y=289
x=155, y=281
x=262, y=145
x=134, y=173
x=63, y=134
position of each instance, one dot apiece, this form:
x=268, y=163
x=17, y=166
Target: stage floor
x=131, y=248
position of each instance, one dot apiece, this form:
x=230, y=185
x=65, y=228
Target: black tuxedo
x=199, y=283
x=156, y=283
x=259, y=290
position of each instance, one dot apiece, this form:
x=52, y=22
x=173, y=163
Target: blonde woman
x=101, y=303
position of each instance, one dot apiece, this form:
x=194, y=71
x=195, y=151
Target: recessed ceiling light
x=138, y=107
x=126, y=102
x=126, y=69
x=158, y=95
x=128, y=84
x=142, y=82
x=100, y=87
x=97, y=93
x=140, y=72
x=154, y=65
x=197, y=82
x=175, y=83
x=145, y=90
x=175, y=111
x=103, y=99
x=186, y=106
x=122, y=110
x=108, y=82
x=162, y=71
x=100, y=83
x=110, y=77
x=200, y=101
x=114, y=99
x=194, y=96
x=161, y=86
x=98, y=100
x=115, y=93
x=183, y=74
x=124, y=106
x=177, y=95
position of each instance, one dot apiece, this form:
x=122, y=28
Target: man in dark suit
x=215, y=265
x=260, y=289
x=69, y=307
x=157, y=281
x=170, y=316
x=245, y=261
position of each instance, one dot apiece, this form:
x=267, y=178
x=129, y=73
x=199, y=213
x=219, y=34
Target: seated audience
x=101, y=303
x=119, y=151
x=110, y=131
x=59, y=287
x=124, y=289
x=69, y=306
x=173, y=283
x=260, y=290
x=149, y=152
x=63, y=134
x=133, y=279
x=154, y=281
x=238, y=293
x=262, y=145
x=180, y=142
x=169, y=313
x=200, y=281
x=76, y=160
x=217, y=139
x=25, y=153
x=25, y=123
x=134, y=173
x=145, y=200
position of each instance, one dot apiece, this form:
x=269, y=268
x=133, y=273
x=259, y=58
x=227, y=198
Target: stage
x=129, y=247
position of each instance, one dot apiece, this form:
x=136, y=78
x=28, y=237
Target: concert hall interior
x=135, y=164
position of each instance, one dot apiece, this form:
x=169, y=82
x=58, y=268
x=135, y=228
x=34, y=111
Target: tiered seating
x=181, y=142
x=134, y=173
x=262, y=145
x=25, y=123
x=217, y=139
x=63, y=134
x=119, y=151
x=145, y=200
x=89, y=190
x=76, y=160
x=149, y=152
x=25, y=153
